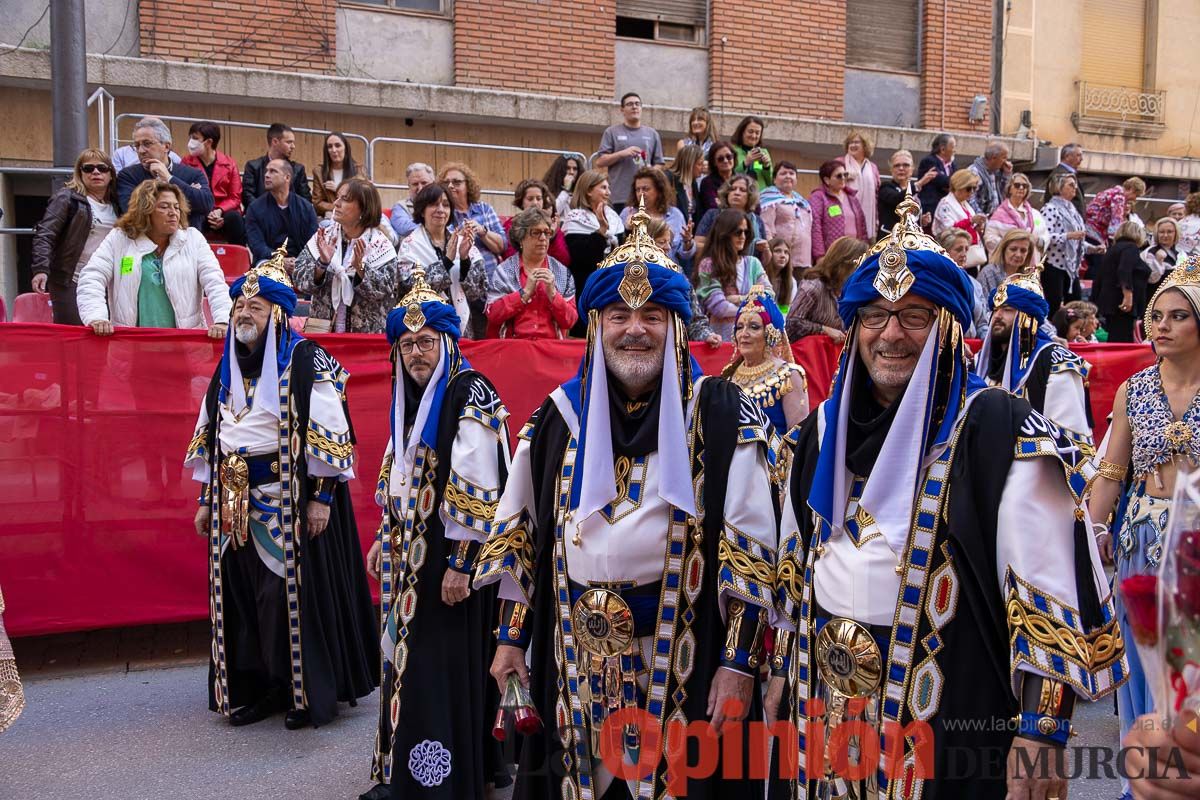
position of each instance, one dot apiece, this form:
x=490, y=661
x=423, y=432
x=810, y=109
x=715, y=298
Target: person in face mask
x=224, y=223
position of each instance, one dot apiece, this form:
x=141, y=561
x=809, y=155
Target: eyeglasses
x=632, y=104
x=424, y=344
x=90, y=168
x=456, y=181
x=724, y=157
x=911, y=319
x=144, y=144
x=540, y=233
x=837, y=175
x=741, y=232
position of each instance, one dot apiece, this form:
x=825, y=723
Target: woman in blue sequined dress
x=1155, y=430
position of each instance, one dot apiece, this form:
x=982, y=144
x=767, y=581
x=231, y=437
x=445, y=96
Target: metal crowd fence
x=505, y=148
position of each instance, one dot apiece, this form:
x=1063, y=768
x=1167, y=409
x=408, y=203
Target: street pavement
x=147, y=734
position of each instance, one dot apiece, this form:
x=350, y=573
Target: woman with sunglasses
x=724, y=276
x=1015, y=213
x=78, y=218
x=721, y=160
x=836, y=210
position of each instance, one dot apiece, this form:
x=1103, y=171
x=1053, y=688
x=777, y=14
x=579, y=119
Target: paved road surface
x=147, y=735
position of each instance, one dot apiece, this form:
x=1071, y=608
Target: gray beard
x=246, y=334
x=633, y=370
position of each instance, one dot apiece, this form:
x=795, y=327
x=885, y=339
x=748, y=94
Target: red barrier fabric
x=96, y=510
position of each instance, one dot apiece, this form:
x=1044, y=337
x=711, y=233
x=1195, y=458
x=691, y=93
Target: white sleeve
x=473, y=488
x=1065, y=403
x=750, y=536
x=91, y=290
x=197, y=453
x=1036, y=573
x=328, y=448
x=507, y=556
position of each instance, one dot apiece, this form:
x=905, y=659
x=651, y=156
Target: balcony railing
x=1121, y=106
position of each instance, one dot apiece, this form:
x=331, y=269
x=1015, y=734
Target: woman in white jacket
x=152, y=271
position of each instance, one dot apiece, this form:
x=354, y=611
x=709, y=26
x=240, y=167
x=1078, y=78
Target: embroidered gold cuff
x=1114, y=472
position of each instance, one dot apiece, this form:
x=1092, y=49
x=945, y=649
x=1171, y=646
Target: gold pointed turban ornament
x=633, y=256
x=421, y=292
x=895, y=278
x=1029, y=280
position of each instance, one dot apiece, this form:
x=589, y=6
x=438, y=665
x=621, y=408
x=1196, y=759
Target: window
x=664, y=20
x=433, y=6
x=883, y=35
x=1114, y=43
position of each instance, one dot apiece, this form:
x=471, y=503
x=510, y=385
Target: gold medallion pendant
x=603, y=623
x=848, y=658
x=235, y=499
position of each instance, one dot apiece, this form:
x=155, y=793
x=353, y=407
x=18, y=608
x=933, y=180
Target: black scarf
x=997, y=358
x=413, y=392
x=868, y=425
x=250, y=361
x=634, y=422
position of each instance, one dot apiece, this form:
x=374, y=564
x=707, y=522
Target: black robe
x=970, y=746
x=723, y=412
x=338, y=637
x=447, y=699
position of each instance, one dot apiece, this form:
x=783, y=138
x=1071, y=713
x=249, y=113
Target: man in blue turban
x=446, y=461
x=916, y=602
x=291, y=612
x=1018, y=355
x=634, y=548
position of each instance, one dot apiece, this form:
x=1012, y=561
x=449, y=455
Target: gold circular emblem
x=603, y=623
x=848, y=658
x=235, y=473
x=1047, y=726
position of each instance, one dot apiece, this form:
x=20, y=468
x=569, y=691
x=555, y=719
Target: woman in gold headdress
x=1156, y=429
x=762, y=362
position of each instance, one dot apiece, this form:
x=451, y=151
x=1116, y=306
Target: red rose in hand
x=1141, y=604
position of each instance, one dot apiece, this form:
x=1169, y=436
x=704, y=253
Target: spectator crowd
x=128, y=240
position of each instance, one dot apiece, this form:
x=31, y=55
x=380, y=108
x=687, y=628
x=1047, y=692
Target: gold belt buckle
x=848, y=658
x=603, y=623
x=235, y=498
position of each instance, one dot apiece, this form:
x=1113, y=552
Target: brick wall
x=778, y=56
x=245, y=33
x=968, y=59
x=542, y=46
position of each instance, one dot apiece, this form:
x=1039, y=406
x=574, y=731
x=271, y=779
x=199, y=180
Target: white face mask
x=195, y=146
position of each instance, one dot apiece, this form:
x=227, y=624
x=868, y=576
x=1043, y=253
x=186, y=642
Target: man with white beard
x=634, y=547
x=292, y=622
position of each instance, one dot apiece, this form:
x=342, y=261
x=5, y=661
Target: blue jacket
x=267, y=225
x=200, y=198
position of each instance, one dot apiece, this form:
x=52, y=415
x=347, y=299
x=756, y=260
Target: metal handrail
x=508, y=148
x=236, y=124
x=106, y=130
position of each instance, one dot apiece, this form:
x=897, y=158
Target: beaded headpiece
x=1186, y=278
